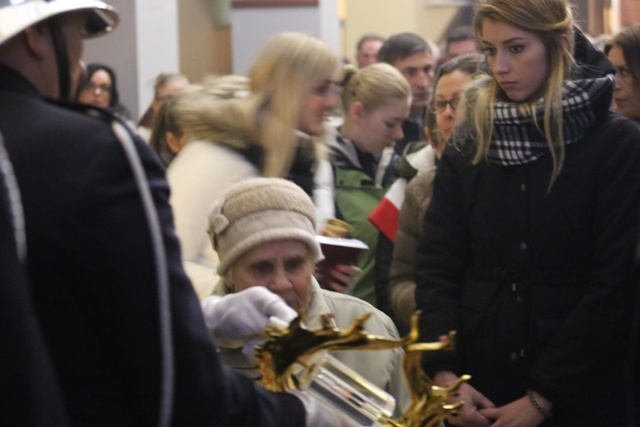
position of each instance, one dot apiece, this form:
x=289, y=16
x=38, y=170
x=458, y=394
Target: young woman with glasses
x=99, y=88
x=450, y=81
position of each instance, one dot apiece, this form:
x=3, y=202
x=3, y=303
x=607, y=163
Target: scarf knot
x=517, y=139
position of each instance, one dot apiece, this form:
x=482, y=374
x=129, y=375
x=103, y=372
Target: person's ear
x=173, y=142
x=427, y=133
x=356, y=110
x=37, y=40
x=228, y=282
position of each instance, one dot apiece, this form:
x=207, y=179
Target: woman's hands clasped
x=470, y=413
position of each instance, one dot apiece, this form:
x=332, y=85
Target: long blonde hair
x=552, y=22
x=284, y=73
x=196, y=110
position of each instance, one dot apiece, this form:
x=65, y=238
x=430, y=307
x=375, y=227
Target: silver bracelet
x=537, y=405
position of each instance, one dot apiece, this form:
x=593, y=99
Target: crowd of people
x=140, y=259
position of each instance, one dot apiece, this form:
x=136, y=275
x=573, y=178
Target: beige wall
x=629, y=13
x=388, y=17
x=205, y=45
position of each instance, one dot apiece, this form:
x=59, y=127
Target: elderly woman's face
x=285, y=267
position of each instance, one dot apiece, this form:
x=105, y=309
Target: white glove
x=321, y=414
x=238, y=318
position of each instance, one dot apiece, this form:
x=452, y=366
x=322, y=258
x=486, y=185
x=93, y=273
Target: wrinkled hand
x=342, y=277
x=470, y=414
x=321, y=414
x=520, y=413
x=238, y=318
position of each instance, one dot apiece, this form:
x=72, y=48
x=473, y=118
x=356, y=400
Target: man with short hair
x=367, y=49
x=412, y=56
x=459, y=41
x=119, y=316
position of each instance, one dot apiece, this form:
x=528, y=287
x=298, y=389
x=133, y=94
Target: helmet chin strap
x=62, y=59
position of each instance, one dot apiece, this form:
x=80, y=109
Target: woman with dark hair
x=624, y=53
x=449, y=83
x=99, y=88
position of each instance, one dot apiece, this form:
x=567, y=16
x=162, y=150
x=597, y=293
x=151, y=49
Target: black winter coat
x=91, y=266
x=29, y=392
x=539, y=284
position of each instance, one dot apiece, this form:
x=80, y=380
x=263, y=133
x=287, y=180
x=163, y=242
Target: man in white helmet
x=120, y=319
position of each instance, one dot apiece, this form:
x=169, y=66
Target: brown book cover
x=336, y=251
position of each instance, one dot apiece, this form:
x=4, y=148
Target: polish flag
x=385, y=215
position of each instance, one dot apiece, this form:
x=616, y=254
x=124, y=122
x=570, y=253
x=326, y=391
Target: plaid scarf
x=516, y=138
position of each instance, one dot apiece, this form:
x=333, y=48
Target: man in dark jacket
x=120, y=319
x=412, y=56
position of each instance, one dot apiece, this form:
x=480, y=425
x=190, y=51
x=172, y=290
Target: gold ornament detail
x=296, y=347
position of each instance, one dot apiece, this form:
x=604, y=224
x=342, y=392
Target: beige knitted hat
x=257, y=211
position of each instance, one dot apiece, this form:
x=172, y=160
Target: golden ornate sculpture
x=278, y=356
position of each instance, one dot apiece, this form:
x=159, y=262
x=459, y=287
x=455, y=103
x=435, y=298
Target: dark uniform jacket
x=539, y=284
x=29, y=393
x=91, y=267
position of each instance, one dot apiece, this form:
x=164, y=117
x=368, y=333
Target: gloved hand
x=320, y=414
x=238, y=318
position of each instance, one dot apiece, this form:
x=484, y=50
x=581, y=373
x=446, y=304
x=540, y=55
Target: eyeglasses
x=440, y=106
x=92, y=87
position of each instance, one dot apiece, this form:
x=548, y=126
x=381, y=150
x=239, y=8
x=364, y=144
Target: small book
x=337, y=250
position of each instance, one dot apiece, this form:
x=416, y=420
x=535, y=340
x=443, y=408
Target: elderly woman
x=263, y=230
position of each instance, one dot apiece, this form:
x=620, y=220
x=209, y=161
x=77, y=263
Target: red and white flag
x=385, y=215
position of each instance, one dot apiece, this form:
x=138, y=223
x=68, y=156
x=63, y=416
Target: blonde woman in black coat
x=529, y=241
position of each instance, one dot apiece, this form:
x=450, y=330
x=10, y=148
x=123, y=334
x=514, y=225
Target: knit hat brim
x=264, y=227
x=261, y=210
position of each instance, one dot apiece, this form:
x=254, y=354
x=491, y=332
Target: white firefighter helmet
x=17, y=15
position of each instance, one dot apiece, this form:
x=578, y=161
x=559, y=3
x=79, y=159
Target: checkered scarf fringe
x=516, y=138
